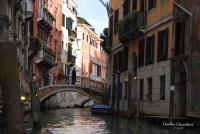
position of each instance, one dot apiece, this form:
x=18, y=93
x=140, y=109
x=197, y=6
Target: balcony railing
x=45, y=18
x=95, y=78
x=34, y=47
x=108, y=46
x=46, y=57
x=71, y=59
x=130, y=25
x=72, y=35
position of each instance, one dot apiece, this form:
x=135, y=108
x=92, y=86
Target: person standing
x=60, y=77
x=73, y=76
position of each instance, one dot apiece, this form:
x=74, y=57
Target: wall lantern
x=23, y=98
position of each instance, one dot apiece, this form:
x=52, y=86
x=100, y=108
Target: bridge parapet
x=93, y=93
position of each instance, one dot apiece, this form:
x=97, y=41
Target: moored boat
x=100, y=109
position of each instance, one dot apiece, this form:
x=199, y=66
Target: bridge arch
x=85, y=101
x=68, y=89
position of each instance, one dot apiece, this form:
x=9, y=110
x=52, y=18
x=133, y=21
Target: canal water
x=81, y=121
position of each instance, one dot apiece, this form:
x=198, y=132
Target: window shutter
x=165, y=47
x=152, y=48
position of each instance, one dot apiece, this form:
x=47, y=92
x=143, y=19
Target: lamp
x=135, y=77
x=23, y=98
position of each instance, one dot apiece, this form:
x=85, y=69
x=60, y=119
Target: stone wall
x=156, y=106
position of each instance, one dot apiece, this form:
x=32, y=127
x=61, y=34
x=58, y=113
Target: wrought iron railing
x=130, y=25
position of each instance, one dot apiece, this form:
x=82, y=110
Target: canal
x=81, y=121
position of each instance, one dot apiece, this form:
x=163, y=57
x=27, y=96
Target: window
x=120, y=62
x=141, y=89
x=134, y=5
x=180, y=38
x=96, y=69
x=162, y=45
x=150, y=50
x=69, y=52
x=120, y=91
x=125, y=59
x=116, y=21
x=87, y=38
x=63, y=20
x=111, y=26
x=142, y=6
x=62, y=47
x=141, y=53
x=152, y=4
x=150, y=87
x=115, y=63
x=162, y=87
x=69, y=25
x=83, y=36
x=126, y=7
x=126, y=88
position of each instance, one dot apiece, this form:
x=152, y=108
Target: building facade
x=67, y=21
x=92, y=57
x=141, y=37
x=185, y=58
x=43, y=38
x=153, y=57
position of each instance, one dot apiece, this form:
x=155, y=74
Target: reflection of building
x=93, y=58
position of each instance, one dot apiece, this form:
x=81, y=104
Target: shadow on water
x=81, y=121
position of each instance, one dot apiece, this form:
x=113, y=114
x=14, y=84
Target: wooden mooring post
x=13, y=122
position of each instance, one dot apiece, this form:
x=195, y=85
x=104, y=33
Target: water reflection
x=80, y=121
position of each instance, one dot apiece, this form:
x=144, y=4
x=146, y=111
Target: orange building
x=138, y=63
x=93, y=58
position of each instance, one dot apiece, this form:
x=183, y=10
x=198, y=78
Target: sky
x=94, y=12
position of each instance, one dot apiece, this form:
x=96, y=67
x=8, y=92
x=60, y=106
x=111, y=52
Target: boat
x=100, y=109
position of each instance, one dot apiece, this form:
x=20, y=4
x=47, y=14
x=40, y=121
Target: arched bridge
x=93, y=93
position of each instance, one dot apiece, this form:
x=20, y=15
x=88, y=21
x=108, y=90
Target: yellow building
x=141, y=38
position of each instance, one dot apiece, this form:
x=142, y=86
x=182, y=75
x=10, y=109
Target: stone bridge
x=94, y=94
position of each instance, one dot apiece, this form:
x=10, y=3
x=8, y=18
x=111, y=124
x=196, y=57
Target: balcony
x=129, y=27
x=108, y=46
x=72, y=35
x=45, y=18
x=46, y=57
x=34, y=47
x=95, y=78
x=27, y=8
x=71, y=59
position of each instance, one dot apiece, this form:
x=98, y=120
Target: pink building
x=45, y=36
x=93, y=58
